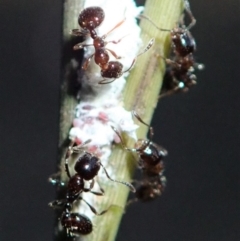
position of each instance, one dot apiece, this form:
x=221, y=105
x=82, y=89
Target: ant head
x=141, y=145
x=76, y=223
x=90, y=18
x=112, y=70
x=183, y=41
x=87, y=166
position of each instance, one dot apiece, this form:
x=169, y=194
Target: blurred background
x=201, y=130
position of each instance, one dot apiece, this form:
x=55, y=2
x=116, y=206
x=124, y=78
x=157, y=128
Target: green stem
x=141, y=94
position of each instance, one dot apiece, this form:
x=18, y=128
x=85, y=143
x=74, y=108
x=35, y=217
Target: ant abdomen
x=90, y=18
x=77, y=224
x=113, y=70
x=148, y=190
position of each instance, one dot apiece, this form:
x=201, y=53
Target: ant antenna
x=149, y=45
x=134, y=113
x=132, y=188
x=189, y=12
x=142, y=16
x=122, y=142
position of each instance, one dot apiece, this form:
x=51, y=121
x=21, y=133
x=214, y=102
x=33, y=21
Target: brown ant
x=150, y=154
x=75, y=223
x=149, y=189
x=182, y=40
x=151, y=162
x=179, y=76
x=89, y=19
x=86, y=167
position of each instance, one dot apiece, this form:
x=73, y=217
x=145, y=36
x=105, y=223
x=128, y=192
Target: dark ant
x=149, y=189
x=182, y=40
x=89, y=19
x=179, y=77
x=86, y=167
x=151, y=162
x=150, y=154
x=75, y=223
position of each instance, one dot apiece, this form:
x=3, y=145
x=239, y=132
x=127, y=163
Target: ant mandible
x=89, y=19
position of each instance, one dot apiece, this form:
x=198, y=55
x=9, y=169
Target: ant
x=179, y=76
x=89, y=19
x=86, y=167
x=150, y=154
x=149, y=189
x=151, y=162
x=75, y=223
x=182, y=40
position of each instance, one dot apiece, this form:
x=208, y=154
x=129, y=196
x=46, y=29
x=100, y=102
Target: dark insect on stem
x=89, y=19
x=150, y=161
x=183, y=42
x=180, y=75
x=86, y=167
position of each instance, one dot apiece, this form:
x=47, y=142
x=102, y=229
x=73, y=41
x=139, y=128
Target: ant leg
x=86, y=63
x=134, y=200
x=55, y=180
x=57, y=204
x=189, y=12
x=68, y=154
x=116, y=26
x=81, y=46
x=132, y=188
x=114, y=54
x=114, y=41
x=101, y=193
x=150, y=127
x=79, y=32
x=105, y=81
x=122, y=142
x=77, y=149
x=93, y=209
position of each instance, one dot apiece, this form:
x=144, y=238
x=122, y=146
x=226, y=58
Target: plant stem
x=141, y=94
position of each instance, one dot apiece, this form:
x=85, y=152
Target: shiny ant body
x=182, y=40
x=150, y=161
x=179, y=76
x=86, y=167
x=89, y=19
